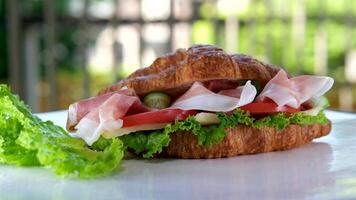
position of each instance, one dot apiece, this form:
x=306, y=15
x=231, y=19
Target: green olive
x=157, y=100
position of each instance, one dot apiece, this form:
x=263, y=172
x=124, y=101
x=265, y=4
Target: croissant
x=176, y=72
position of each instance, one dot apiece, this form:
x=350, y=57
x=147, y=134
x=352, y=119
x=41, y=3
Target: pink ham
x=89, y=118
x=200, y=98
x=106, y=117
x=78, y=110
x=295, y=91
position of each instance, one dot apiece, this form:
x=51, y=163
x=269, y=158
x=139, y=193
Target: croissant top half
x=176, y=72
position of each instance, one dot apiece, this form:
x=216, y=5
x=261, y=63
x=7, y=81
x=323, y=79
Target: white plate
x=324, y=169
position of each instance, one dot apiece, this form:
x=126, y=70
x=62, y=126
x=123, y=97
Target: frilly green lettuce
x=146, y=144
x=26, y=140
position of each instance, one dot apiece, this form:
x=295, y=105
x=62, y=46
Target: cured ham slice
x=295, y=91
x=106, y=117
x=78, y=110
x=200, y=98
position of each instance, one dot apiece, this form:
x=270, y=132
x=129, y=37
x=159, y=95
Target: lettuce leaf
x=148, y=143
x=26, y=140
x=11, y=124
x=205, y=135
x=282, y=120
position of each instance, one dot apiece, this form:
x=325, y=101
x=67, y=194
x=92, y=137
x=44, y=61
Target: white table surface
x=323, y=169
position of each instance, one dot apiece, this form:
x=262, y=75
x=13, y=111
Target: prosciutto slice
x=295, y=91
x=200, y=98
x=78, y=110
x=89, y=118
x=106, y=117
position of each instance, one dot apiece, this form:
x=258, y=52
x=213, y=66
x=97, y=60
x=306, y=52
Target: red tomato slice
x=267, y=108
x=159, y=116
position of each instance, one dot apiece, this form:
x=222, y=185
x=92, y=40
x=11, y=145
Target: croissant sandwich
x=201, y=102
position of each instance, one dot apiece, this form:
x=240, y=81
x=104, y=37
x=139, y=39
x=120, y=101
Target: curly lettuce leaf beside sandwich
x=25, y=140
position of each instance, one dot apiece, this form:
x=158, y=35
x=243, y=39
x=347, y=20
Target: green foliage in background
x=266, y=31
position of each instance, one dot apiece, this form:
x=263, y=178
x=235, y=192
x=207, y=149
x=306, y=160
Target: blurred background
x=54, y=52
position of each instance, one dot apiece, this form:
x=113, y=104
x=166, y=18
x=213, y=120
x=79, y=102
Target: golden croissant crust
x=176, y=72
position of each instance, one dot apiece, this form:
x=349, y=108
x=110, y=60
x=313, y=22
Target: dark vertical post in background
x=50, y=52
x=349, y=23
x=231, y=32
x=82, y=40
x=195, y=16
x=171, y=26
x=116, y=47
x=299, y=23
x=31, y=67
x=13, y=43
x=140, y=32
x=321, y=43
x=216, y=25
x=251, y=27
x=268, y=42
x=284, y=29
